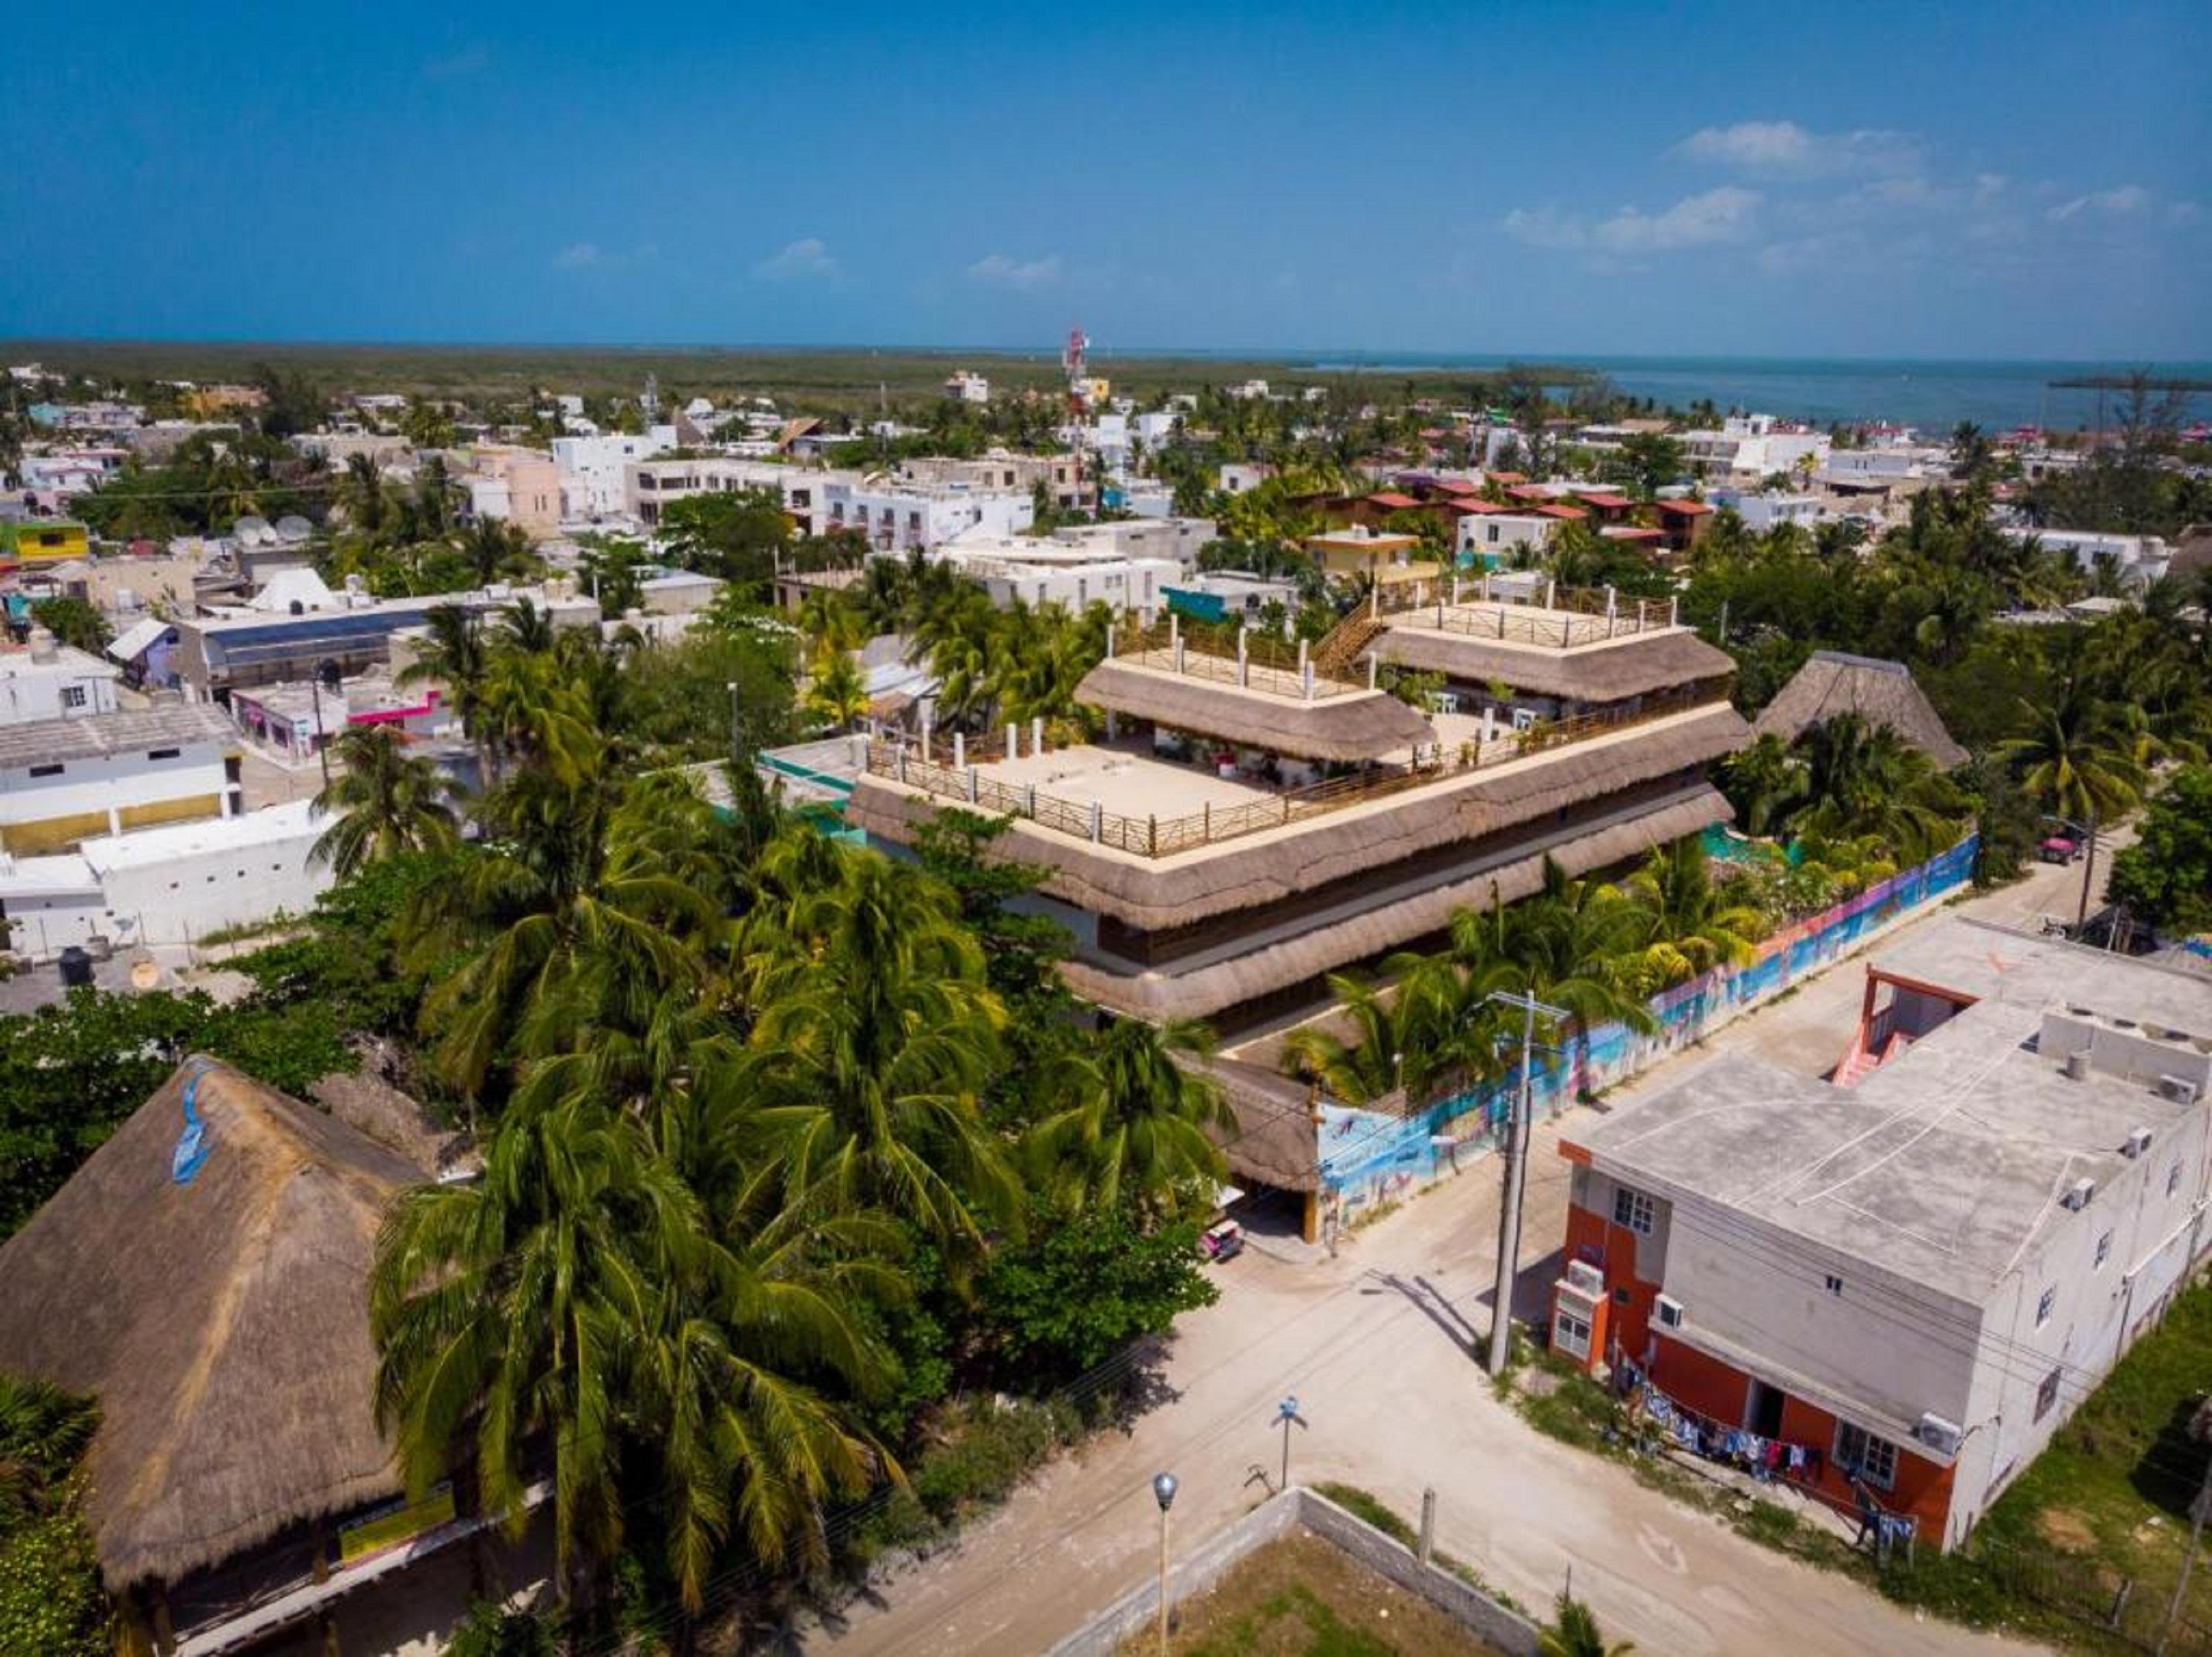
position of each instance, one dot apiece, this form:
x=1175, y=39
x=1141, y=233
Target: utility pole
x=1517, y=1173
x=2088, y=866
x=1163, y=1492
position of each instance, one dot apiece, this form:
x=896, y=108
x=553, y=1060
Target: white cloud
x=578, y=256
x=1785, y=149
x=2125, y=202
x=1546, y=226
x=2180, y=213
x=1719, y=215
x=807, y=258
x=1724, y=215
x=997, y=270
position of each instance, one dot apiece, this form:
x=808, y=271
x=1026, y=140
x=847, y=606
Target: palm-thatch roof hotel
x=1257, y=817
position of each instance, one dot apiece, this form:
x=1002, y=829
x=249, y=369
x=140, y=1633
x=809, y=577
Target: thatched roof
x=1274, y=1143
x=1879, y=692
x=1361, y=725
x=1609, y=671
x=1365, y=933
x=221, y=1324
x=1151, y=894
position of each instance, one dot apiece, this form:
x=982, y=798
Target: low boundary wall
x=1299, y=1509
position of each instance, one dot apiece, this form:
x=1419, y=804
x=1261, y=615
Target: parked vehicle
x=2059, y=848
x=1222, y=1240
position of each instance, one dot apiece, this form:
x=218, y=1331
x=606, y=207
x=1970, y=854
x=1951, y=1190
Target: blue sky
x=1949, y=180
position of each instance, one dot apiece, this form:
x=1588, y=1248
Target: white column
x=115, y=818
x=1244, y=657
x=1037, y=734
x=1014, y=740
x=959, y=751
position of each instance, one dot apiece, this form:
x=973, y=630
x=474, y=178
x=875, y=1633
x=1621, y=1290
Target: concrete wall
x=1298, y=1508
x=106, y=794
x=181, y=899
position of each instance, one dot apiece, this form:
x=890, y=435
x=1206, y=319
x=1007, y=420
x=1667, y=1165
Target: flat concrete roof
x=1943, y=1166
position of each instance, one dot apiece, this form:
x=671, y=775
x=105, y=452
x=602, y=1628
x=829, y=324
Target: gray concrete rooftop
x=1943, y=1166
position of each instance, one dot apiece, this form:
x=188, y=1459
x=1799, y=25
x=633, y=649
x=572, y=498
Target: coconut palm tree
x=836, y=690
x=1692, y=928
x=1763, y=782
x=875, y=1036
x=591, y=901
x=1358, y=1068
x=454, y=656
x=385, y=801
x=1135, y=1124
x=2082, y=758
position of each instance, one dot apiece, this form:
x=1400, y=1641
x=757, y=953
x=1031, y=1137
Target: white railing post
x=1552, y=594
x=901, y=762
x=1031, y=793
x=1014, y=740
x=1110, y=629
x=1243, y=654
x=971, y=784
x=959, y=750
x=1371, y=670
x=1098, y=819
x=1674, y=610
x=1036, y=733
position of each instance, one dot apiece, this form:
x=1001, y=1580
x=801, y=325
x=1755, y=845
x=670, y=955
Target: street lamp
x=1517, y=1173
x=1286, y=1414
x=1163, y=1492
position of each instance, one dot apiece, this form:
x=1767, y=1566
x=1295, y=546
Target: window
x=73, y=695
x=1570, y=1334
x=2046, y=1395
x=163, y=753
x=1835, y=1284
x=1875, y=1459
x=1633, y=1209
x=2173, y=1175
x=2045, y=1307
x=2104, y=1250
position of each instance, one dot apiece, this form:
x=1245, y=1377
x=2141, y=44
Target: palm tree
x=1692, y=929
x=526, y=627
x=1136, y=1122
x=584, y=910
x=1763, y=782
x=1864, y=780
x=363, y=494
x=455, y=657
x=837, y=691
x=1358, y=1069
x=875, y=1037
x=385, y=801
x=2082, y=758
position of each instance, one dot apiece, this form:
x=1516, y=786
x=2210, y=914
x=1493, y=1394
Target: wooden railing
x=1152, y=835
x=1204, y=650
x=1570, y=617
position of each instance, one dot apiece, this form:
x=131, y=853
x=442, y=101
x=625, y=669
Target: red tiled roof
x=1556, y=511
x=1529, y=492
x=1630, y=532
x=1457, y=485
x=1471, y=504
x=1683, y=508
x=1396, y=502
x=1509, y=478
x=1602, y=498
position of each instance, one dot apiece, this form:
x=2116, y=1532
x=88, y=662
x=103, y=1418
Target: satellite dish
x=294, y=529
x=252, y=530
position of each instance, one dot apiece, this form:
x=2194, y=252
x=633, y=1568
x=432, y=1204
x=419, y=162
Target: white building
x=594, y=470
x=1754, y=445
x=650, y=485
x=1763, y=510
x=2140, y=559
x=173, y=885
x=966, y=387
x=1495, y=533
x=1039, y=571
x=64, y=779
x=1239, y=476
x=43, y=680
x=896, y=516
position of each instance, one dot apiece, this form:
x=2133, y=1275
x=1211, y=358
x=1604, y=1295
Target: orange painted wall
x=1594, y=1237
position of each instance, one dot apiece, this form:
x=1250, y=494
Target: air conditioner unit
x=1669, y=1311
x=1938, y=1435
x=1585, y=1280
x=2078, y=1194
x=2179, y=1089
x=2138, y=1141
